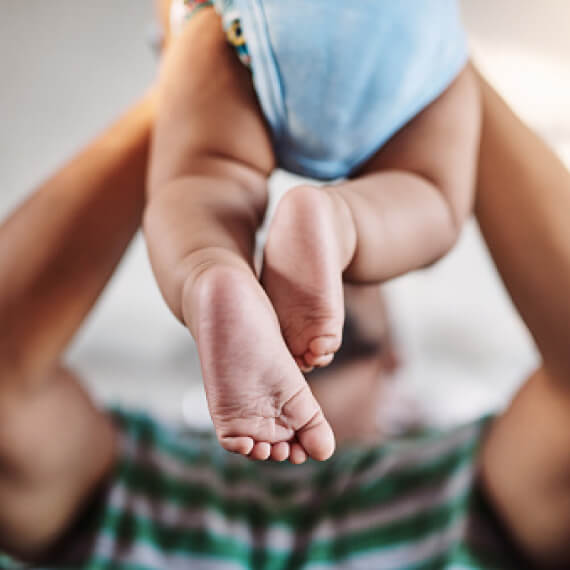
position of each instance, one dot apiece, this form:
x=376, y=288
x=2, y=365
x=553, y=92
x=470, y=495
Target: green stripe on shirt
x=178, y=501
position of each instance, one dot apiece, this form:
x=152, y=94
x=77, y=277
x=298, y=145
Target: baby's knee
x=451, y=227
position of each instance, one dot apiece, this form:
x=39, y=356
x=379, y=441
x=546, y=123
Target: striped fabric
x=178, y=501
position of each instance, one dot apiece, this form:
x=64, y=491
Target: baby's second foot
x=260, y=403
x=311, y=241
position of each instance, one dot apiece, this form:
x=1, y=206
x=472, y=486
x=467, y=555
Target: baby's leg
x=211, y=157
x=402, y=211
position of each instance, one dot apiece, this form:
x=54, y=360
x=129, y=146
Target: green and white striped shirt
x=177, y=501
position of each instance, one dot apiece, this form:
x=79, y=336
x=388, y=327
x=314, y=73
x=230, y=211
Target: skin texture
x=83, y=219
x=523, y=202
x=525, y=462
x=216, y=186
x=211, y=157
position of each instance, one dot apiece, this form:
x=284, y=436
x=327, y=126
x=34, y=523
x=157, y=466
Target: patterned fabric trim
x=183, y=10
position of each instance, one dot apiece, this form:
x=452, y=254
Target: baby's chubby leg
x=411, y=200
x=402, y=211
x=210, y=160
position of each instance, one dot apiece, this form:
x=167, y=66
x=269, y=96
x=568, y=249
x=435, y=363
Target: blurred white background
x=69, y=67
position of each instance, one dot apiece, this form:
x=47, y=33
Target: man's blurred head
x=350, y=389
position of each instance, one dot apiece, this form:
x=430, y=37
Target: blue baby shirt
x=336, y=79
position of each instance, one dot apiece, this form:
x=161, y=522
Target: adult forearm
x=523, y=208
x=58, y=250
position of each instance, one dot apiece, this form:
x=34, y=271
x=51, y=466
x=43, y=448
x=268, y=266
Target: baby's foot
x=260, y=403
x=311, y=241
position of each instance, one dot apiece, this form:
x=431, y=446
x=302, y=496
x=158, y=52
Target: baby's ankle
x=210, y=273
x=346, y=227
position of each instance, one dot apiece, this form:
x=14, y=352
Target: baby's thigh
x=207, y=104
x=440, y=144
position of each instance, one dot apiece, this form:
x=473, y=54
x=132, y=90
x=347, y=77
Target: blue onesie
x=336, y=79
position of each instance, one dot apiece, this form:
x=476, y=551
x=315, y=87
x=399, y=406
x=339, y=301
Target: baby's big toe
x=313, y=432
x=317, y=439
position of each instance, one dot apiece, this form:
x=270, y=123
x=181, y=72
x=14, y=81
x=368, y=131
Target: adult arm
x=57, y=252
x=523, y=208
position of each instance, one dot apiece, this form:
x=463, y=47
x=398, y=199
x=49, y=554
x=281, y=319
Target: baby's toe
x=261, y=451
x=297, y=455
x=280, y=451
x=318, y=361
x=305, y=368
x=243, y=445
x=326, y=344
x=317, y=438
x=313, y=431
